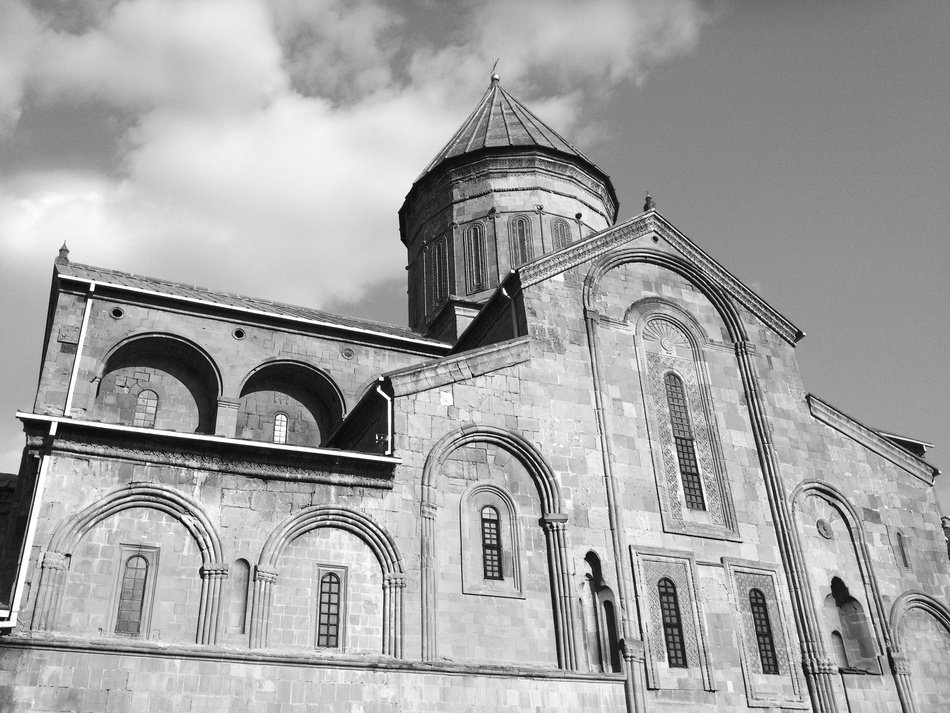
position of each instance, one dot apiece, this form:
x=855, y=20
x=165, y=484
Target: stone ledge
x=369, y=662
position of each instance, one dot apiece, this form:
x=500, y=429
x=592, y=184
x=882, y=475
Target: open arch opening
x=290, y=403
x=158, y=381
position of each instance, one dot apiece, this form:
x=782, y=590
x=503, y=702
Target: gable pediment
x=653, y=224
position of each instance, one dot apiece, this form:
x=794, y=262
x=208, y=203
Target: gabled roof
x=646, y=223
x=190, y=293
x=501, y=121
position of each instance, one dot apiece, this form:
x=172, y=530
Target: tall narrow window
x=683, y=440
x=613, y=646
x=146, y=408
x=477, y=269
x=562, y=234
x=763, y=632
x=672, y=624
x=328, y=625
x=491, y=544
x=280, y=428
x=519, y=236
x=128, y=621
x=902, y=550
x=438, y=272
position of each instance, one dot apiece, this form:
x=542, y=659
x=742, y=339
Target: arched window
x=146, y=408
x=683, y=440
x=613, y=646
x=491, y=544
x=477, y=268
x=902, y=550
x=562, y=234
x=128, y=620
x=280, y=428
x=328, y=624
x=672, y=624
x=437, y=254
x=519, y=238
x=763, y=632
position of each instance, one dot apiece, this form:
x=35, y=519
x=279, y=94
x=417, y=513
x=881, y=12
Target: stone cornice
x=652, y=222
x=369, y=662
x=872, y=440
x=461, y=367
x=210, y=453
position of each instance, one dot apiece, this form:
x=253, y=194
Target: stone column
x=393, y=586
x=900, y=665
x=264, y=579
x=554, y=525
x=225, y=422
x=212, y=582
x=427, y=511
x=50, y=590
x=634, y=659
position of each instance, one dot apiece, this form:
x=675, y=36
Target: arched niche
x=598, y=611
x=310, y=402
x=179, y=379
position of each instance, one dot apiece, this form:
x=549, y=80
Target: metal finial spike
x=63, y=256
x=649, y=204
x=494, y=76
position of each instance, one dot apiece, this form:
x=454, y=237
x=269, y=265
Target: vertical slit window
x=562, y=234
x=610, y=622
x=520, y=240
x=684, y=442
x=902, y=549
x=477, y=268
x=438, y=272
x=328, y=625
x=280, y=428
x=491, y=544
x=128, y=621
x=146, y=408
x=672, y=624
x=763, y=632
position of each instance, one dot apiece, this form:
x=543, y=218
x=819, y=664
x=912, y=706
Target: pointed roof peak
x=63, y=256
x=499, y=121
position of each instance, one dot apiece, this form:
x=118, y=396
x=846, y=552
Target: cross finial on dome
x=649, y=204
x=63, y=256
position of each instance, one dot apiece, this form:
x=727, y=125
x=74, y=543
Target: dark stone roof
x=240, y=302
x=501, y=121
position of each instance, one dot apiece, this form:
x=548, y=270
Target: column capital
x=214, y=569
x=265, y=574
x=54, y=560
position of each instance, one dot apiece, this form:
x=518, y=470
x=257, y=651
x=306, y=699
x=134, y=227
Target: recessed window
x=684, y=442
x=763, y=632
x=902, y=550
x=562, y=234
x=672, y=624
x=146, y=409
x=239, y=333
x=117, y=313
x=280, y=428
x=330, y=609
x=438, y=269
x=491, y=544
x=519, y=238
x=475, y=239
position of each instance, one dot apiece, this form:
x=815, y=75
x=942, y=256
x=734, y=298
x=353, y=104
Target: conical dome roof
x=501, y=121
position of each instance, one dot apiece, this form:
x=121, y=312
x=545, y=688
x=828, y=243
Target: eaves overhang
x=210, y=453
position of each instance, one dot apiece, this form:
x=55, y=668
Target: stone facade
x=612, y=492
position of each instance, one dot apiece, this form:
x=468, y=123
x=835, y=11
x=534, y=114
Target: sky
x=265, y=148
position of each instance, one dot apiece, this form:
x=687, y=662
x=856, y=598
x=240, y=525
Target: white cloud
x=272, y=144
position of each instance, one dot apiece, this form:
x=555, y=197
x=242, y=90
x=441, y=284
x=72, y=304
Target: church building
x=587, y=477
